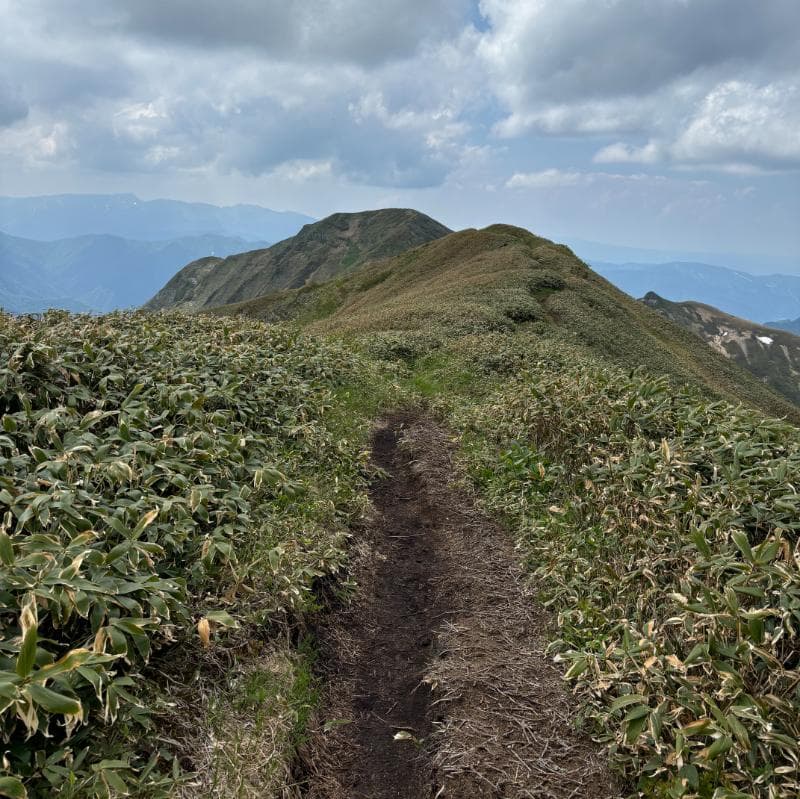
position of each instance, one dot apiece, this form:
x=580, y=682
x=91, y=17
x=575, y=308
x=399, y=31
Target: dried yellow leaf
x=204, y=631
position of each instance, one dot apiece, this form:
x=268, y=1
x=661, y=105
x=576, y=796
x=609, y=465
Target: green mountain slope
x=338, y=244
x=771, y=355
x=501, y=279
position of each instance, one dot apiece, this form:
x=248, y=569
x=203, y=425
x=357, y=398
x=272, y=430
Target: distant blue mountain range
x=63, y=216
x=751, y=263
x=98, y=252
x=760, y=298
x=792, y=325
x=97, y=272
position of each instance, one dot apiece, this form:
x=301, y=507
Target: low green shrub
x=401, y=345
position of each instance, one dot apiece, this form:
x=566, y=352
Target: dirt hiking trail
x=437, y=682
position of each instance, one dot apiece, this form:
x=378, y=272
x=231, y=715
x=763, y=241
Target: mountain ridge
x=338, y=244
x=772, y=355
x=748, y=296
x=501, y=279
x=59, y=216
x=790, y=325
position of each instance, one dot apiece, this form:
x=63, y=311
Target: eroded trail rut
x=437, y=684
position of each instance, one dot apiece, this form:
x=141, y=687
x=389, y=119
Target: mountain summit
x=336, y=245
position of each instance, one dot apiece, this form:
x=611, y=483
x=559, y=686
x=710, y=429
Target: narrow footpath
x=437, y=682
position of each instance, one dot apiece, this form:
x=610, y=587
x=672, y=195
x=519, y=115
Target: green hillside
x=336, y=245
x=505, y=279
x=164, y=482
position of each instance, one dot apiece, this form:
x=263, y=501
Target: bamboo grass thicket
x=161, y=476
x=663, y=529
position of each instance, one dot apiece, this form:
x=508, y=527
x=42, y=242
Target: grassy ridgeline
x=503, y=279
x=209, y=468
x=165, y=482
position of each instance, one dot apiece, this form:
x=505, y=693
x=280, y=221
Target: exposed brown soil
x=437, y=682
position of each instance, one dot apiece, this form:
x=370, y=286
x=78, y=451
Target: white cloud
x=566, y=178
x=412, y=96
x=301, y=170
x=546, y=179
x=140, y=122
x=313, y=31
x=660, y=71
x=582, y=117
x=740, y=122
x=621, y=153
x=227, y=109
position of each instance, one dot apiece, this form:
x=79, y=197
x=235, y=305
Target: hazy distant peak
x=51, y=217
x=757, y=297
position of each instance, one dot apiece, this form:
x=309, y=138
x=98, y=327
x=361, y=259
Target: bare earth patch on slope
x=437, y=683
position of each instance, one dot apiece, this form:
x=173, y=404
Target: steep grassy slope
x=336, y=245
x=497, y=279
x=183, y=289
x=771, y=355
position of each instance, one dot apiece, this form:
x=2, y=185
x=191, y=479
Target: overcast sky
x=651, y=123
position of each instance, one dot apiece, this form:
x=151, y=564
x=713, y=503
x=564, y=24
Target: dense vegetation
x=162, y=480
x=658, y=520
x=663, y=529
